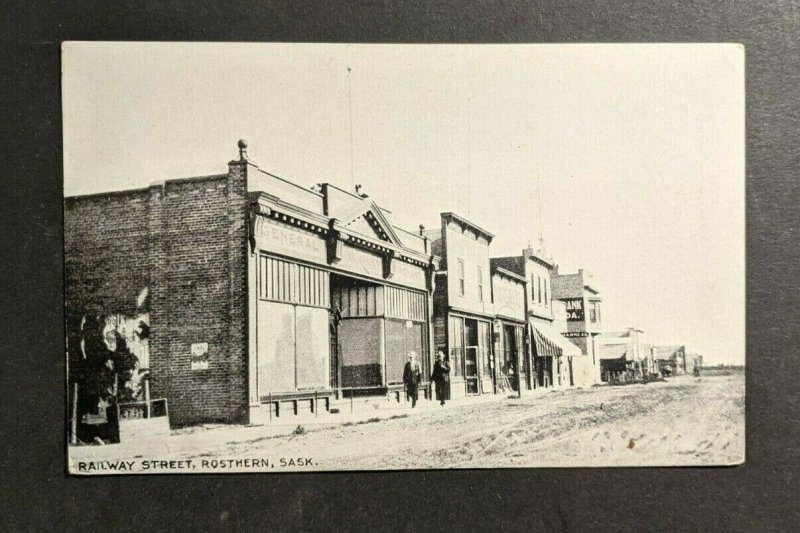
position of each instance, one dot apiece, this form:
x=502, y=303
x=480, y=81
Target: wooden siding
x=358, y=300
x=282, y=281
x=404, y=304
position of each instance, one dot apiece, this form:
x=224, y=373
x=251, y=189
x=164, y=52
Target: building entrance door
x=509, y=366
x=471, y=357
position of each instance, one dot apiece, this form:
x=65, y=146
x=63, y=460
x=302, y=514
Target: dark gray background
x=36, y=493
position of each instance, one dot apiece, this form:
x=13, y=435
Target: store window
x=594, y=312
x=289, y=361
x=539, y=285
x=545, y=291
x=484, y=346
x=456, y=334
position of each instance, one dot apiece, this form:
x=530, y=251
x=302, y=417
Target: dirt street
x=683, y=421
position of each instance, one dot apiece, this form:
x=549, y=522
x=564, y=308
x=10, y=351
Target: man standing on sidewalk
x=412, y=375
x=441, y=377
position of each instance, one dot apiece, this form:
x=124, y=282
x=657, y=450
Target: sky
x=627, y=160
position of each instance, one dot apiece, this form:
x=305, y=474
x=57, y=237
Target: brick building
x=258, y=297
x=582, y=301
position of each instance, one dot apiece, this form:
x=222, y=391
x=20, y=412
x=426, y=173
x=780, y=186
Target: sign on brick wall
x=199, y=356
x=575, y=312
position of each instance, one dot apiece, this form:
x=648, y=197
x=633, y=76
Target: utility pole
x=350, y=106
x=469, y=158
x=539, y=195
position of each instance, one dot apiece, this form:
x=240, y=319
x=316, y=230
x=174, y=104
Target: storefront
x=513, y=364
x=340, y=303
x=470, y=341
x=554, y=356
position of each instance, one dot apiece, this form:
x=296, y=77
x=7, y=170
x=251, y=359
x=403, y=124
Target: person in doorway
x=441, y=377
x=412, y=375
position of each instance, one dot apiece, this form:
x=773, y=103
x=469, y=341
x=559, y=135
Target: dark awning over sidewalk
x=550, y=343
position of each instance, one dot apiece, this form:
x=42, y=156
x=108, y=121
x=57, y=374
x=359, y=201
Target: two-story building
x=463, y=309
x=582, y=301
x=257, y=297
x=549, y=354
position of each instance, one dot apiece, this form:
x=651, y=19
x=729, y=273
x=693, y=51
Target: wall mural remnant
x=109, y=357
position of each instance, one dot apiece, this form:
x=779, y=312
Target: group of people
x=440, y=376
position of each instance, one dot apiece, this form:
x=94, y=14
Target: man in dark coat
x=412, y=375
x=441, y=377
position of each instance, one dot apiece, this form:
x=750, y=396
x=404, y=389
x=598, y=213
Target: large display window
x=456, y=341
x=403, y=336
x=288, y=361
x=360, y=344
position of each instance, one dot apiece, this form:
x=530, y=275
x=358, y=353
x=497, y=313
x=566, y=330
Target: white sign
x=200, y=356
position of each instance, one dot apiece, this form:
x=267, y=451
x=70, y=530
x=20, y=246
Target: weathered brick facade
x=185, y=241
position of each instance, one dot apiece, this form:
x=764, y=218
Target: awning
x=613, y=351
x=551, y=343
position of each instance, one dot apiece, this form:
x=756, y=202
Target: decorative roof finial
x=242, y=150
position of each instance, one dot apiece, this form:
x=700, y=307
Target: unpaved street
x=680, y=422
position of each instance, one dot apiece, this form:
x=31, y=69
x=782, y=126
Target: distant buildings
x=620, y=351
x=694, y=361
x=671, y=360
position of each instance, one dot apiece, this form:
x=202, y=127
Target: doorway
x=509, y=366
x=471, y=356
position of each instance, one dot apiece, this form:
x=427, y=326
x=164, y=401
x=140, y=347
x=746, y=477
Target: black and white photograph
x=357, y=257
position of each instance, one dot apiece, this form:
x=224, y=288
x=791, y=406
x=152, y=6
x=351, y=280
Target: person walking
x=412, y=375
x=441, y=377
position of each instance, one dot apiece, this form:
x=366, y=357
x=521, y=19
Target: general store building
x=265, y=298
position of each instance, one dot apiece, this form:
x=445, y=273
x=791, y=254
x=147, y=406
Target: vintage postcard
x=324, y=257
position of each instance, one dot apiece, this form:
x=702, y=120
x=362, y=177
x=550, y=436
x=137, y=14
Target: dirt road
x=680, y=422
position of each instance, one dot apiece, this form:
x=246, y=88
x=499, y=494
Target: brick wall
x=186, y=241
x=105, y=253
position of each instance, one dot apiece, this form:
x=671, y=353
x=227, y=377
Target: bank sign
x=574, y=309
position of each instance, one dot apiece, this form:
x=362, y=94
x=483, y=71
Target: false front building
x=260, y=297
x=512, y=361
x=548, y=359
x=622, y=351
x=671, y=360
x=463, y=308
